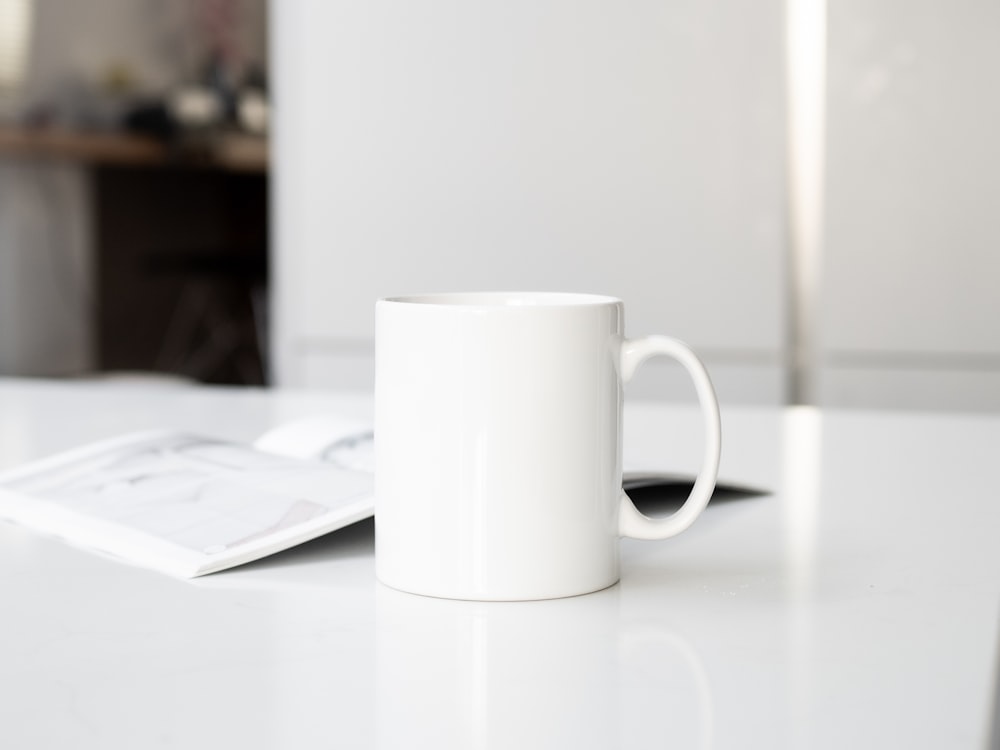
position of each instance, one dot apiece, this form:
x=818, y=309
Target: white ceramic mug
x=498, y=443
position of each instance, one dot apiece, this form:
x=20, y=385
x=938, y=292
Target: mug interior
x=507, y=299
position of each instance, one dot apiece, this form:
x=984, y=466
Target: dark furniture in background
x=180, y=250
x=182, y=272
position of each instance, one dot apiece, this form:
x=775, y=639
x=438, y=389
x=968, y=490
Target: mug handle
x=631, y=522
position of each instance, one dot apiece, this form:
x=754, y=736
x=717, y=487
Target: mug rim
x=504, y=300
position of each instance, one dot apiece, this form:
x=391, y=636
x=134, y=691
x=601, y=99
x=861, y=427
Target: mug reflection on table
x=547, y=674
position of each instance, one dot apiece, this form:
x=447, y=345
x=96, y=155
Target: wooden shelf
x=229, y=151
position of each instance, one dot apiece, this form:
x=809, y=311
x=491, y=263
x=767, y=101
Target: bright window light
x=15, y=38
x=806, y=90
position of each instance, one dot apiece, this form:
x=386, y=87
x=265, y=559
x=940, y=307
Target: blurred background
x=218, y=190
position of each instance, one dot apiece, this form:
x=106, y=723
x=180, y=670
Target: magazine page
x=183, y=504
x=338, y=440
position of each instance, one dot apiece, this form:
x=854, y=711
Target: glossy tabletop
x=855, y=605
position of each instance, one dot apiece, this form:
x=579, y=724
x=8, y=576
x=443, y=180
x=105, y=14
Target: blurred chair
x=219, y=318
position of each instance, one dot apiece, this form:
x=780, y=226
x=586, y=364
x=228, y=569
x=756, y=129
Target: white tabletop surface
x=855, y=606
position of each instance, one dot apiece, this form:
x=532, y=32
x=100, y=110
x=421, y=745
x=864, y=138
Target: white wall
x=634, y=149
x=912, y=251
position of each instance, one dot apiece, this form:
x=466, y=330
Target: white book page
x=183, y=504
x=343, y=442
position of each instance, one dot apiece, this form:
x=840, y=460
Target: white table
x=856, y=606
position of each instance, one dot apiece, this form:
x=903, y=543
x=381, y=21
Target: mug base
x=501, y=597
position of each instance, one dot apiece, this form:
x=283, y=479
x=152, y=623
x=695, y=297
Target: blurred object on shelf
x=253, y=111
x=195, y=108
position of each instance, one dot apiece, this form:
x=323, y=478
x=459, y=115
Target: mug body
x=498, y=444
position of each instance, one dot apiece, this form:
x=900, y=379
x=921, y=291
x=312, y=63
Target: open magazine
x=188, y=505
